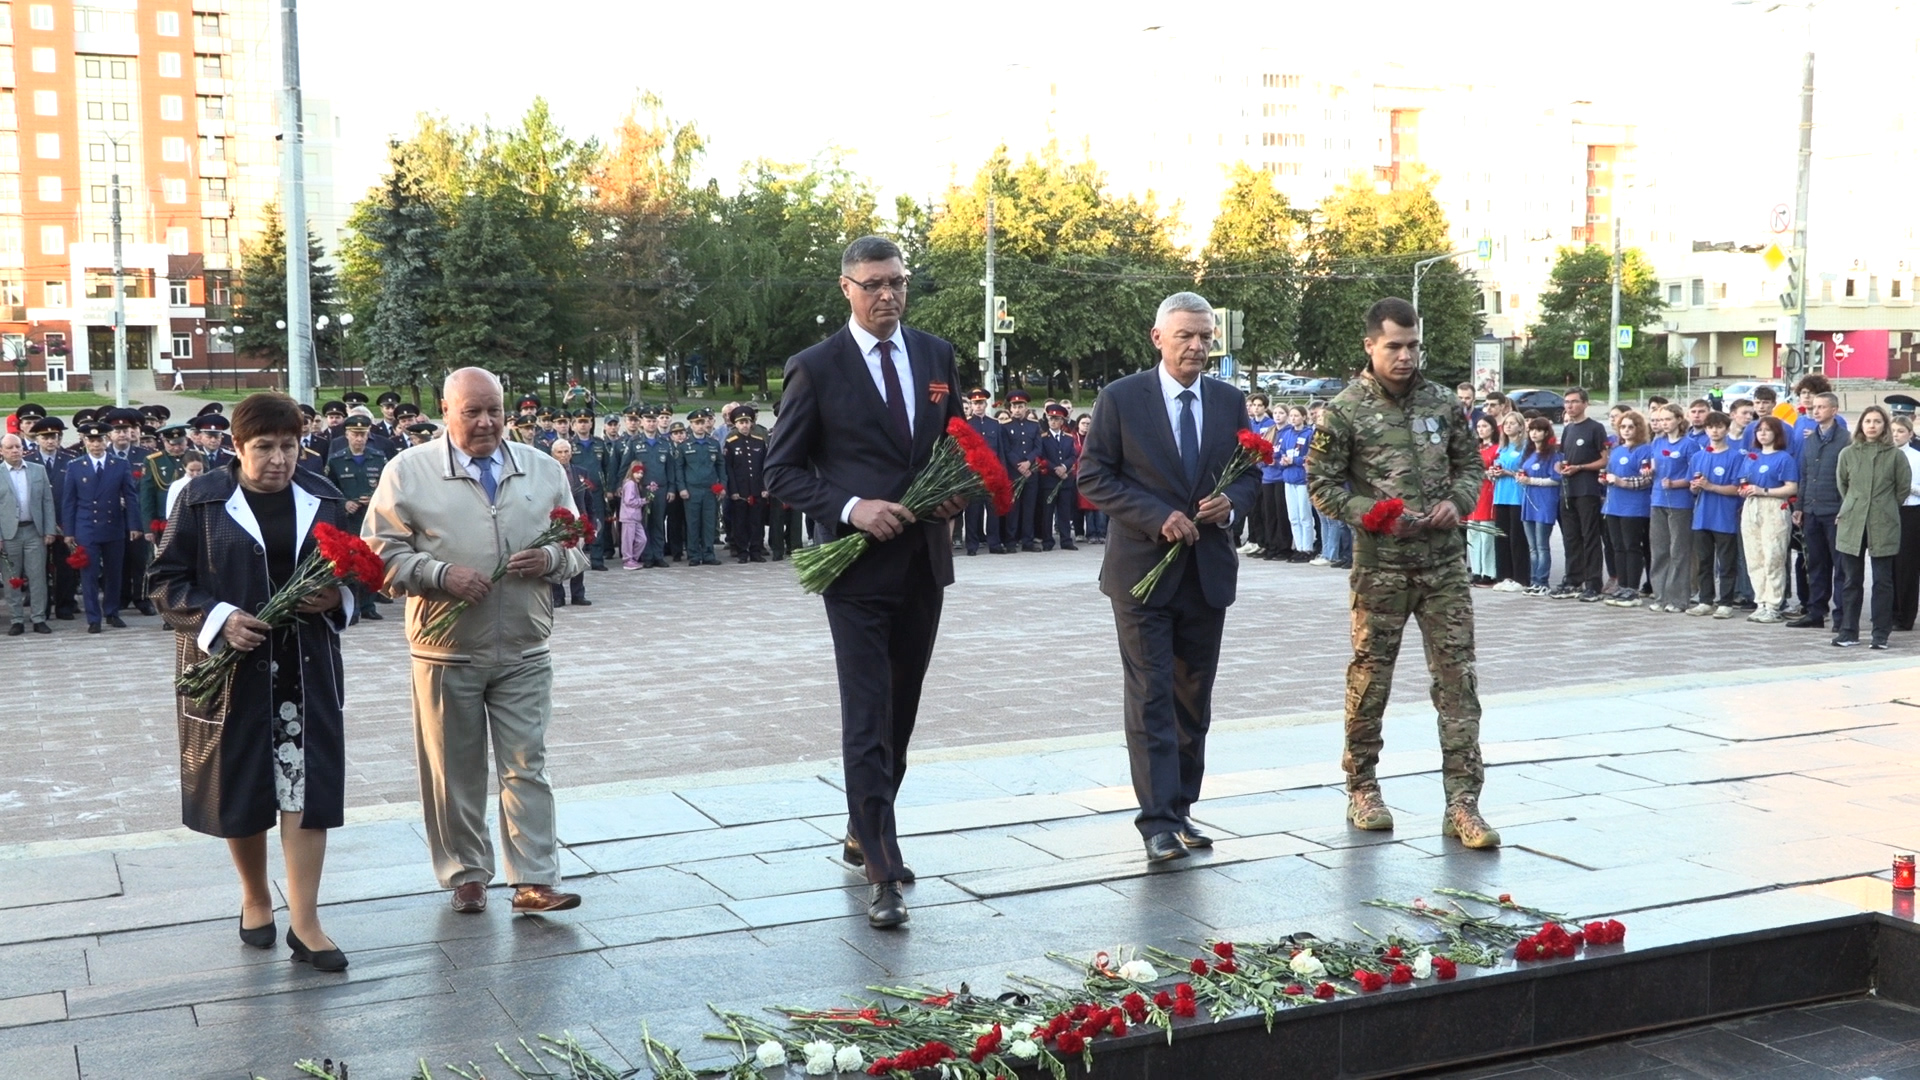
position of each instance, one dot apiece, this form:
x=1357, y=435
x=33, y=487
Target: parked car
x=1322, y=388
x=1735, y=391
x=1547, y=403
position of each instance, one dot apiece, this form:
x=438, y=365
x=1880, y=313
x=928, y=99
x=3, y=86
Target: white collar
x=1170, y=387
x=867, y=340
x=464, y=459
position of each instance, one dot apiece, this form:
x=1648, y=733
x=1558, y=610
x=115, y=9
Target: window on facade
x=1673, y=295
x=46, y=145
x=171, y=107
x=54, y=294
x=169, y=64
x=216, y=236
x=1698, y=292
x=46, y=103
x=96, y=110
x=173, y=190
x=177, y=293
x=167, y=24
x=97, y=193
x=210, y=65
x=207, y=24
x=173, y=148
x=1850, y=287
x=1893, y=289
x=178, y=242
x=10, y=239
x=9, y=186
x=91, y=68
x=53, y=240
x=50, y=189
x=43, y=60
x=1280, y=82
x=120, y=111
x=122, y=152
x=183, y=346
x=219, y=288
x=213, y=188
x=116, y=69
x=213, y=148
x=40, y=16
x=213, y=108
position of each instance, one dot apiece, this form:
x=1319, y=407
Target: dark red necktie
x=896, y=403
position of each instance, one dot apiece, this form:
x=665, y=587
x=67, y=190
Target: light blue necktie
x=1189, y=437
x=486, y=477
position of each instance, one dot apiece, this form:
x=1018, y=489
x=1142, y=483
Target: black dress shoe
x=93, y=628
x=371, y=612
x=1165, y=847
x=260, y=937
x=851, y=854
x=42, y=628
x=1069, y=547
x=885, y=907
x=1809, y=620
x=114, y=621
x=1190, y=835
x=16, y=630
x=581, y=601
x=324, y=960
x=64, y=616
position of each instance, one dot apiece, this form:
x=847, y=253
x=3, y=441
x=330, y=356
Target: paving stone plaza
x=1695, y=777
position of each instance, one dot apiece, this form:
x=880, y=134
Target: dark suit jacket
x=836, y=440
x=102, y=508
x=1130, y=468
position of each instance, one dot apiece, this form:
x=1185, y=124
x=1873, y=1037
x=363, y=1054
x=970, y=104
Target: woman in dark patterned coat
x=269, y=745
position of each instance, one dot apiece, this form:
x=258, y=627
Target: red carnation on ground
x=1136, y=1007
x=986, y=1044
x=1226, y=967
x=1198, y=967
x=1400, y=974
x=1325, y=991
x=1163, y=999
x=1369, y=980
x=1071, y=1042
x=1223, y=949
x=1380, y=519
x=1184, y=1005
x=1294, y=989
x=1444, y=968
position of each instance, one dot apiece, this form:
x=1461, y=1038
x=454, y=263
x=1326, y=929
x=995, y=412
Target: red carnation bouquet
x=963, y=466
x=157, y=526
x=1253, y=450
x=564, y=527
x=13, y=581
x=338, y=558
x=78, y=558
x=1387, y=512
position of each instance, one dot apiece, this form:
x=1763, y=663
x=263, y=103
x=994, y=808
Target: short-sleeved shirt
x=1506, y=490
x=1769, y=470
x=1583, y=442
x=1713, y=512
x=1626, y=462
x=1543, y=501
x=1673, y=460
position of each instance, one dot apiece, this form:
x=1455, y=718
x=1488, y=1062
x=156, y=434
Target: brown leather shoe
x=470, y=898
x=540, y=899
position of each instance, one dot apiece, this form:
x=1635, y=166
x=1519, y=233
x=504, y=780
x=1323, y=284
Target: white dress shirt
x=17, y=476
x=1171, y=389
x=870, y=352
x=466, y=461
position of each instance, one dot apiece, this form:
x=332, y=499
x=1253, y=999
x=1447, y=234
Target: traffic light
x=1790, y=300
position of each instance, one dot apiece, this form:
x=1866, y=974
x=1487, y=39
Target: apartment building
x=173, y=102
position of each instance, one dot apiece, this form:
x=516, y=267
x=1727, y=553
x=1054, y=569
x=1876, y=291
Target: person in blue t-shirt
x=1269, y=532
x=1670, y=524
x=1290, y=454
x=1716, y=519
x=1511, y=563
x=1740, y=425
x=1769, y=478
x=1628, y=505
x=1538, y=476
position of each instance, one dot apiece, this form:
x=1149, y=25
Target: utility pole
x=986, y=330
x=293, y=202
x=119, y=303
x=1797, y=338
x=1613, y=328
x=1419, y=269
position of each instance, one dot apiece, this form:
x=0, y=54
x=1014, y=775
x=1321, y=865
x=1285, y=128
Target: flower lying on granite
x=1306, y=965
x=768, y=1054
x=1445, y=968
x=1023, y=1050
x=1138, y=971
x=1325, y=991
x=819, y=1057
x=1610, y=932
x=1423, y=965
x=849, y=1059
x=1369, y=980
x=1400, y=974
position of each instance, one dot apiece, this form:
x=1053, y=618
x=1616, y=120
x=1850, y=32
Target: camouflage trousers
x=1440, y=598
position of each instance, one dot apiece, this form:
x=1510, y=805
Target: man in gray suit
x=1161, y=439
x=26, y=521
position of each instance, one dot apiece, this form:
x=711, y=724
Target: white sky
x=786, y=80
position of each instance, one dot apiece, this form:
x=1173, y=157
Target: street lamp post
x=1419, y=269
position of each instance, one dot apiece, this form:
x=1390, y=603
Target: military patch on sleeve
x=1322, y=440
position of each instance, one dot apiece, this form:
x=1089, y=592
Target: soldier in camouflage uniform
x=1393, y=435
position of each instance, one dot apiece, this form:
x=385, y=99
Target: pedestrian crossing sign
x=1749, y=346
x=1623, y=335
x=1582, y=349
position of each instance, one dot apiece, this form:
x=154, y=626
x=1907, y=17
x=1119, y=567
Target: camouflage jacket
x=1371, y=446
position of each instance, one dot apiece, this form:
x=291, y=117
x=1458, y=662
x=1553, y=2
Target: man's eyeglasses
x=895, y=285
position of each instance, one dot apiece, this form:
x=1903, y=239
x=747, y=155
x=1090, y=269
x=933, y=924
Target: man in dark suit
x=859, y=419
x=100, y=508
x=1161, y=439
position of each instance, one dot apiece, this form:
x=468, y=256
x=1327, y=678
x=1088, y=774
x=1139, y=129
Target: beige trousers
x=1765, y=531
x=456, y=709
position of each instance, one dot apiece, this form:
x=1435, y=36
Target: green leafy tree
x=641, y=200
x=1082, y=269
x=1249, y=265
x=490, y=310
x=260, y=300
x=1578, y=304
x=1364, y=248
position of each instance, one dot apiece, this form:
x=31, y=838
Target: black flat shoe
x=1165, y=847
x=371, y=612
x=885, y=907
x=851, y=854
x=114, y=621
x=1190, y=835
x=260, y=937
x=324, y=960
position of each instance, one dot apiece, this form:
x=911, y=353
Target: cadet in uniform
x=589, y=456
x=62, y=600
x=123, y=443
x=746, y=460
x=355, y=469
x=164, y=466
x=675, y=514
x=1391, y=434
x=787, y=529
x=1061, y=451
x=982, y=524
x=651, y=447
x=420, y=431
x=98, y=504
x=1021, y=453
x=698, y=465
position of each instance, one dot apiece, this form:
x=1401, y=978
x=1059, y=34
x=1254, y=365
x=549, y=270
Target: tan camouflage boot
x=1463, y=821
x=1366, y=810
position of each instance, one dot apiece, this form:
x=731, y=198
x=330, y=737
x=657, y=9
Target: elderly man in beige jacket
x=445, y=515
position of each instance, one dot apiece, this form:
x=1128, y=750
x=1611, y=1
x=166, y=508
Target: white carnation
x=1023, y=1050
x=819, y=1055
x=849, y=1059
x=1423, y=965
x=1023, y=1029
x=1138, y=971
x=769, y=1054
x=1306, y=965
